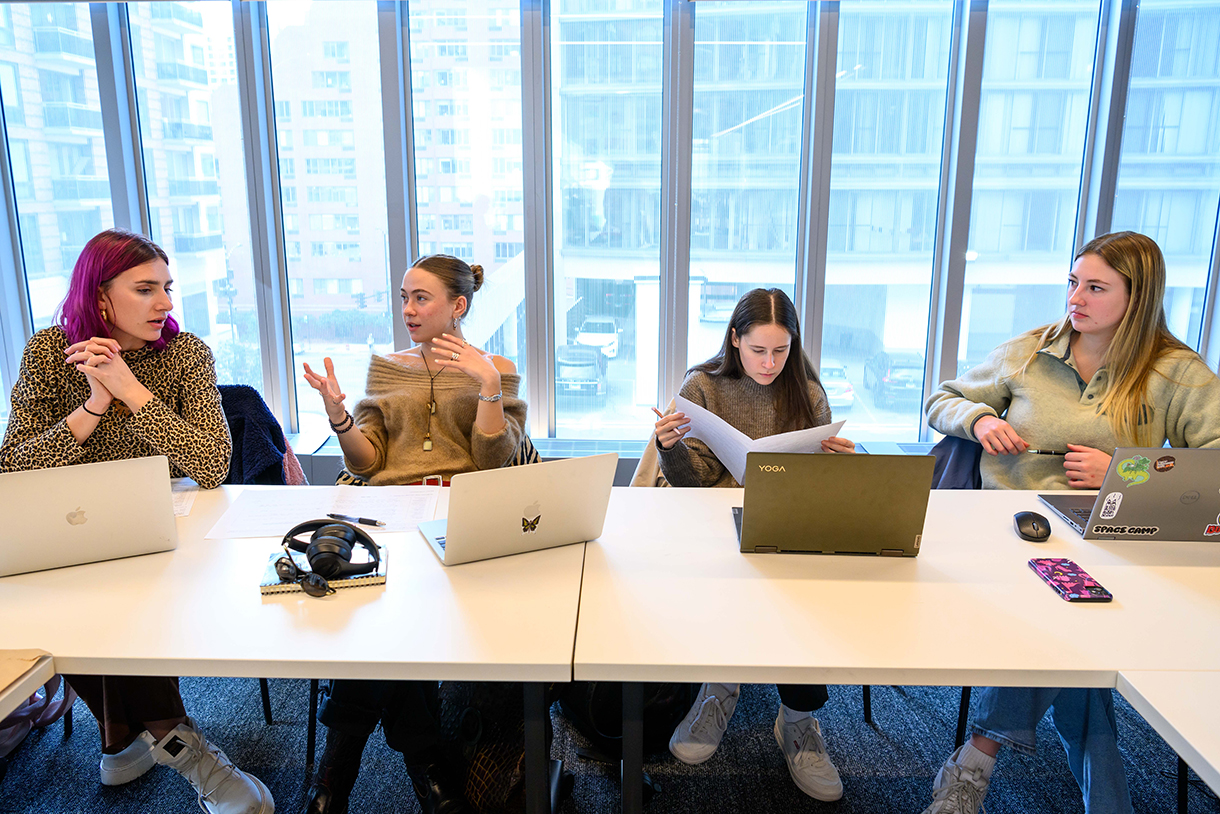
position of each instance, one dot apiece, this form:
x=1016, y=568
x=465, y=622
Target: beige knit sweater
x=394, y=417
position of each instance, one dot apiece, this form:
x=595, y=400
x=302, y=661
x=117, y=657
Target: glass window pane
x=1169, y=173
x=48, y=80
x=606, y=109
x=190, y=129
x=889, y=118
x=466, y=92
x=1034, y=110
x=342, y=294
x=746, y=159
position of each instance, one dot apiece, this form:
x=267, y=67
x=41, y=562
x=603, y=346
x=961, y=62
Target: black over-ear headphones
x=329, y=550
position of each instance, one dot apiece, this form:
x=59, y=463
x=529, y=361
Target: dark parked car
x=580, y=370
x=894, y=376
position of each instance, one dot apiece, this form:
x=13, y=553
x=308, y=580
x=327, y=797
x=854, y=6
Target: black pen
x=1046, y=452
x=347, y=518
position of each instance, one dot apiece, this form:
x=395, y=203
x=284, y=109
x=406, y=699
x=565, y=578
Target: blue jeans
x=1084, y=719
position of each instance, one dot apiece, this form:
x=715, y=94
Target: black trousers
x=123, y=705
x=803, y=697
x=408, y=711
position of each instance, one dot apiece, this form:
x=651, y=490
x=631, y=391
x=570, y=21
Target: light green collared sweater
x=1050, y=406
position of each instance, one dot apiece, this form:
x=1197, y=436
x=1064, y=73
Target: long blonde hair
x=1142, y=337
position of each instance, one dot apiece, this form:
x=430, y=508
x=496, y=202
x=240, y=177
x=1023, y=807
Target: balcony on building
x=176, y=12
x=193, y=187
x=175, y=130
x=73, y=117
x=182, y=72
x=69, y=48
x=80, y=188
x=201, y=242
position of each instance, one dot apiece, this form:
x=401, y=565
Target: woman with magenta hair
x=116, y=379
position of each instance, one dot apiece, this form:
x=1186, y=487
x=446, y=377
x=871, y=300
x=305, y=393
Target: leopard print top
x=184, y=420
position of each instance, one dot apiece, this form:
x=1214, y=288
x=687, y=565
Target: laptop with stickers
x=497, y=512
x=1158, y=493
x=834, y=504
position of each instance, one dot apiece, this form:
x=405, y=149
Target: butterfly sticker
x=530, y=526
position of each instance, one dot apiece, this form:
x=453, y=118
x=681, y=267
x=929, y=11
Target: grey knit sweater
x=1050, y=406
x=744, y=404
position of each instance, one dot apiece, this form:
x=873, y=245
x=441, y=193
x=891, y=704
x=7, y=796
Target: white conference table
x=21, y=674
x=1181, y=707
x=198, y=611
x=667, y=596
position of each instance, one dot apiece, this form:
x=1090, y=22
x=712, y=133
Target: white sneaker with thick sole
x=127, y=765
x=805, y=752
x=957, y=790
x=222, y=787
x=696, y=738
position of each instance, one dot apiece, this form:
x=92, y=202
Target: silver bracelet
x=496, y=397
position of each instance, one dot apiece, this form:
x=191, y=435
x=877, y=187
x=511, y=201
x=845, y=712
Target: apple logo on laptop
x=76, y=518
x=528, y=525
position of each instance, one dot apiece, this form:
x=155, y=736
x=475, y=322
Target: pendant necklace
x=423, y=354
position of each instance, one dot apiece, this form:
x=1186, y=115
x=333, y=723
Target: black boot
x=437, y=792
x=336, y=773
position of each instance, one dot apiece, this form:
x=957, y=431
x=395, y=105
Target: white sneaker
x=805, y=751
x=696, y=738
x=222, y=787
x=957, y=790
x=130, y=763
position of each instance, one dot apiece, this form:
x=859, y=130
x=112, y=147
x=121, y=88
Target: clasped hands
x=1085, y=466
x=101, y=360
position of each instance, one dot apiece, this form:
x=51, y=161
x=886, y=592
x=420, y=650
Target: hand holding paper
x=730, y=445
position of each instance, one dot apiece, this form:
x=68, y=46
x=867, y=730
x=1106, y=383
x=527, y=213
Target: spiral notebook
x=272, y=584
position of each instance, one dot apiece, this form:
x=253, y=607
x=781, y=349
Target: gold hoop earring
x=105, y=316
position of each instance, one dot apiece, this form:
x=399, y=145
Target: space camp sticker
x=1164, y=463
x=1109, y=509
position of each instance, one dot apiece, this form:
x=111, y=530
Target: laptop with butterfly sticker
x=498, y=512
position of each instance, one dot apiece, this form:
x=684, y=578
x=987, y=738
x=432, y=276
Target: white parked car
x=600, y=332
x=838, y=389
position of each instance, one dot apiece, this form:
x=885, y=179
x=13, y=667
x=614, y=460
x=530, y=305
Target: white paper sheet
x=184, y=491
x=272, y=512
x=730, y=445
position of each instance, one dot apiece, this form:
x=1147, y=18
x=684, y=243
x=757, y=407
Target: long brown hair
x=1142, y=337
x=770, y=306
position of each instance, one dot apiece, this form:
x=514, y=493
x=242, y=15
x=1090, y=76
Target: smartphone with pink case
x=1069, y=580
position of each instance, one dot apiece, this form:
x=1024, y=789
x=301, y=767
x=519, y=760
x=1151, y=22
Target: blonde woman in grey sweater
x=1108, y=374
x=762, y=383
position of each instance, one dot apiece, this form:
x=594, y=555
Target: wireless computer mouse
x=1031, y=526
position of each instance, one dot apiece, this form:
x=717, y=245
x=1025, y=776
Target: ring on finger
x=454, y=355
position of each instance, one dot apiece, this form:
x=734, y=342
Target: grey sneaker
x=222, y=787
x=127, y=765
x=957, y=790
x=696, y=738
x=805, y=752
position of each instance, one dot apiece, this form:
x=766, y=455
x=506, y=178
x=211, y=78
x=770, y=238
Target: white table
x=1181, y=707
x=21, y=674
x=668, y=597
x=198, y=611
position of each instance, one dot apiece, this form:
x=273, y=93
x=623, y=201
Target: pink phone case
x=1069, y=580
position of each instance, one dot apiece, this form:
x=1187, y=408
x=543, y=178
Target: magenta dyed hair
x=107, y=255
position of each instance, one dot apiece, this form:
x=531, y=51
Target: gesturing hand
x=670, y=428
x=1086, y=467
x=998, y=436
x=450, y=351
x=328, y=387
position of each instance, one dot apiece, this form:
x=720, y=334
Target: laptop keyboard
x=440, y=541
x=1082, y=515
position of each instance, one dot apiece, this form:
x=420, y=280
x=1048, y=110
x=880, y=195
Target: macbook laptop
x=498, y=512
x=71, y=515
x=834, y=504
x=1157, y=493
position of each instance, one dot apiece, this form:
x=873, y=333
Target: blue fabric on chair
x=957, y=464
x=258, y=440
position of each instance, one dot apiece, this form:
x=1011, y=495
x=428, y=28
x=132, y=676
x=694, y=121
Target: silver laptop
x=498, y=512
x=1157, y=493
x=834, y=504
x=69, y=515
